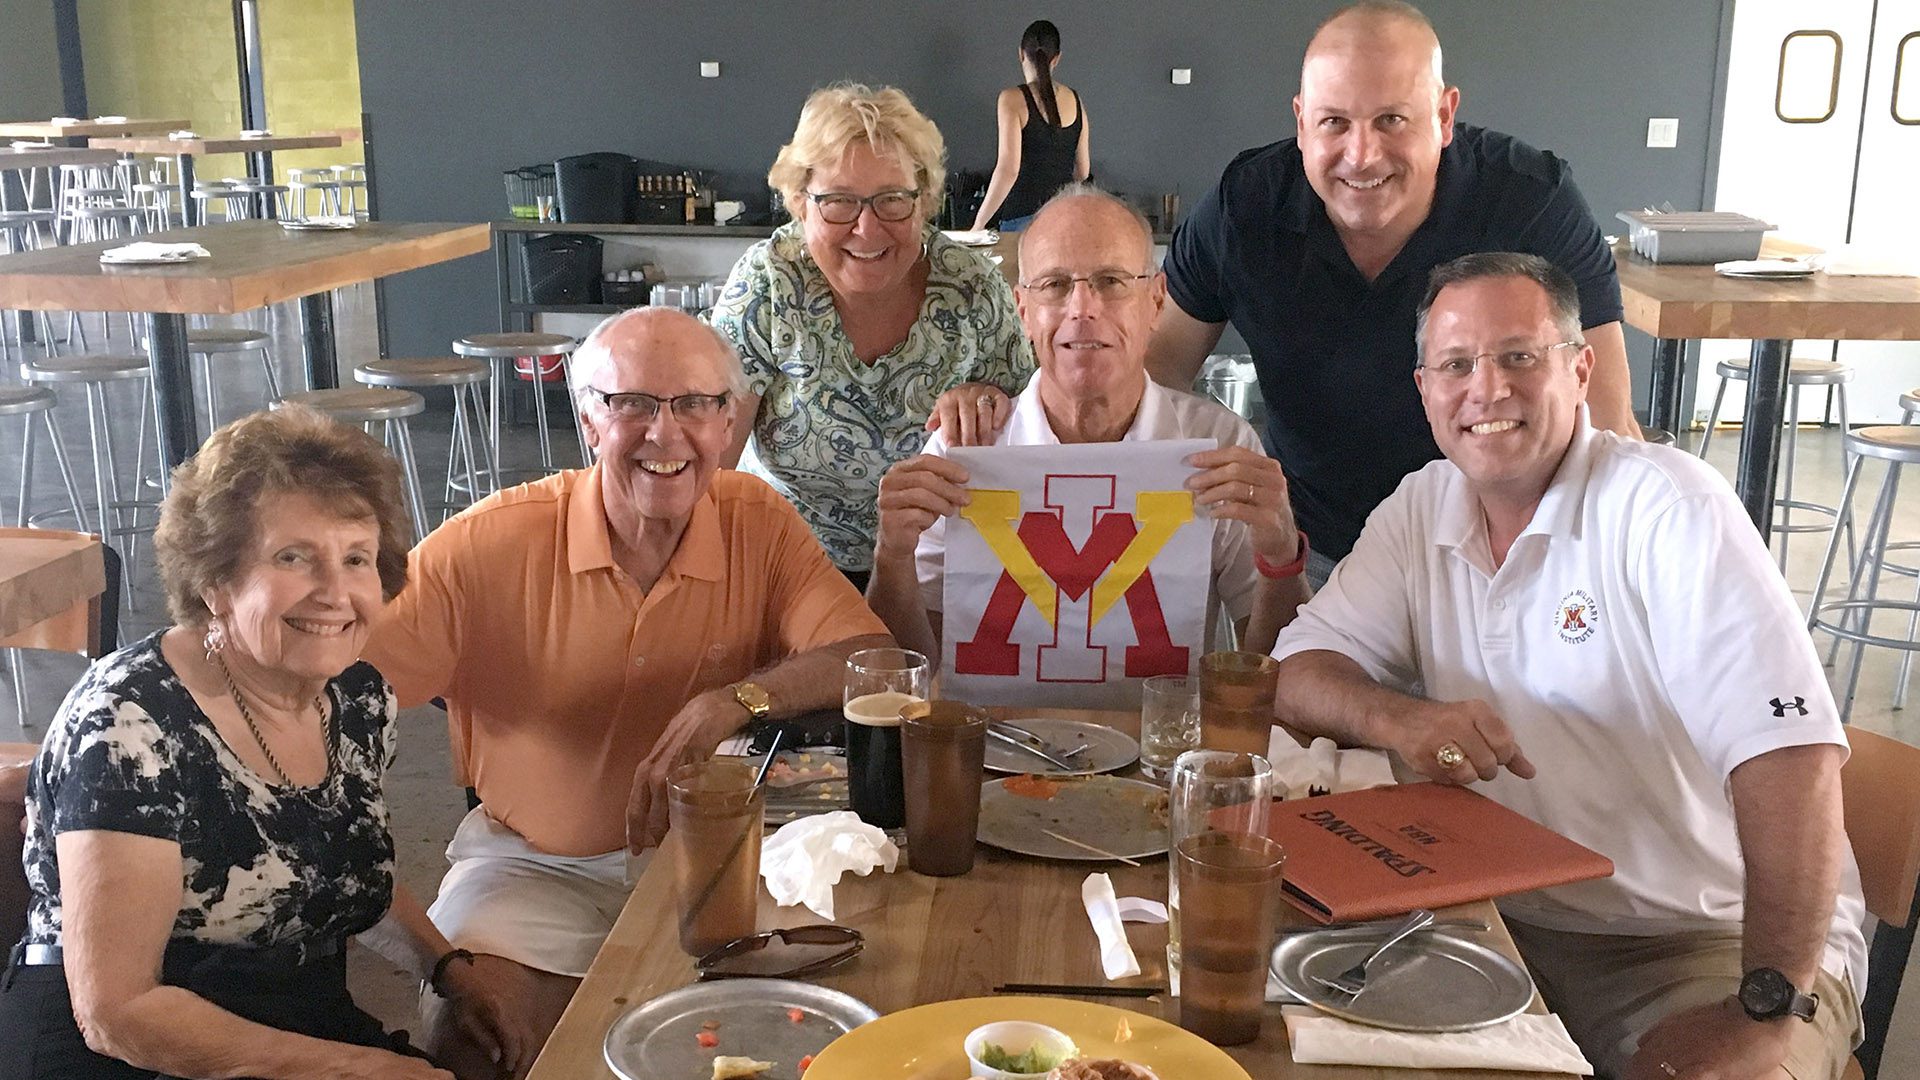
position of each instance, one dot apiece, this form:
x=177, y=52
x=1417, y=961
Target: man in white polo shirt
x=1089, y=299
x=1589, y=630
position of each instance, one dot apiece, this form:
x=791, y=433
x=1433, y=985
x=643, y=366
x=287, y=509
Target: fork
x=1035, y=741
x=1354, y=979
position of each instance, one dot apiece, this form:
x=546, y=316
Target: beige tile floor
x=426, y=806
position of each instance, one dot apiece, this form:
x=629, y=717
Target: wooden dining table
x=252, y=264
x=1675, y=304
x=259, y=154
x=1012, y=919
x=84, y=129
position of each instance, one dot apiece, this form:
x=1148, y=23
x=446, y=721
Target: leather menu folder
x=1382, y=851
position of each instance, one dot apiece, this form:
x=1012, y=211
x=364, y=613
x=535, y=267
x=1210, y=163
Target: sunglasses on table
x=782, y=954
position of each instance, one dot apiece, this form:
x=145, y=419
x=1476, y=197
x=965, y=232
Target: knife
x=1010, y=728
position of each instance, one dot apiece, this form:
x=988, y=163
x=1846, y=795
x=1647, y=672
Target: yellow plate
x=923, y=1043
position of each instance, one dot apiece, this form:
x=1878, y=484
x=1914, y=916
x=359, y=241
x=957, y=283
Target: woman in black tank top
x=1043, y=136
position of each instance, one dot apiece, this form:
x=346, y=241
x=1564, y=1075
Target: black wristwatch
x=1766, y=994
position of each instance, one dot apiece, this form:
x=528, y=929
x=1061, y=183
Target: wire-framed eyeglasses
x=1109, y=285
x=687, y=408
x=801, y=950
x=843, y=207
x=1510, y=361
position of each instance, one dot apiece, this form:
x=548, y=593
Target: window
x=1807, y=89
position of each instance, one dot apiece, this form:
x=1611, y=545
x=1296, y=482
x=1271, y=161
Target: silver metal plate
x=319, y=224
x=1106, y=748
x=1124, y=817
x=1430, y=982
x=661, y=1037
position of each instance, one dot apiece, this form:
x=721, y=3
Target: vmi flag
x=1076, y=572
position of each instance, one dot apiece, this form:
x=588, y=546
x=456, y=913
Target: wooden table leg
x=1760, y=431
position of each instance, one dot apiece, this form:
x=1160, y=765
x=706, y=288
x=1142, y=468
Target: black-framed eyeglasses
x=1109, y=285
x=843, y=207
x=687, y=408
x=1511, y=361
x=802, y=950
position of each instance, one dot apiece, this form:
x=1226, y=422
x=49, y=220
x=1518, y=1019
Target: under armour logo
x=1798, y=704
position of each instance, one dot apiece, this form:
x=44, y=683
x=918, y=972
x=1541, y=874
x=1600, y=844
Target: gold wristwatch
x=752, y=697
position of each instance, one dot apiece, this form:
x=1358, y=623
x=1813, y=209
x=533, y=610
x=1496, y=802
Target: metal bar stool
x=1657, y=436
x=115, y=513
x=206, y=342
x=319, y=182
x=1849, y=618
x=532, y=348
x=468, y=466
x=29, y=402
x=390, y=409
x=1800, y=374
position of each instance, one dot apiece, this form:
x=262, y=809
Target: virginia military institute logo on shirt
x=1577, y=618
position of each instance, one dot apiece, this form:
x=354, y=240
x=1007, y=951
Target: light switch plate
x=1663, y=132
x=709, y=69
x=1182, y=76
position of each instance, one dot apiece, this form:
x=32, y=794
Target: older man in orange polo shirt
x=590, y=631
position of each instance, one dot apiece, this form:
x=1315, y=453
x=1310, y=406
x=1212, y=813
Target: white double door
x=1821, y=137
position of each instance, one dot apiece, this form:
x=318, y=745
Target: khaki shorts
x=1610, y=989
x=502, y=896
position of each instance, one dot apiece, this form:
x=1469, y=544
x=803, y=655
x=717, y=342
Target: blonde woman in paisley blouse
x=854, y=317
x=205, y=823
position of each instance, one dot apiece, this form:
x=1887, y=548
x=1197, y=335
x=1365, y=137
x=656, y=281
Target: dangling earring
x=215, y=638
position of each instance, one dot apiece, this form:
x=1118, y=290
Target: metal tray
x=659, y=1039
x=1430, y=982
x=1107, y=749
x=1125, y=817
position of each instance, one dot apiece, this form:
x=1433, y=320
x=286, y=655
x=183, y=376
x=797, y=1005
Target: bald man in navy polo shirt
x=1317, y=249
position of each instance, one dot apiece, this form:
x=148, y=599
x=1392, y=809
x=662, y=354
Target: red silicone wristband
x=1292, y=569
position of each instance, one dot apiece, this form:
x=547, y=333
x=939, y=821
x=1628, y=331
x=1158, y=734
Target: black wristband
x=440, y=968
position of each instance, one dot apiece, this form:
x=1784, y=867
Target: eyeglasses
x=750, y=958
x=1109, y=285
x=687, y=408
x=1510, y=361
x=843, y=208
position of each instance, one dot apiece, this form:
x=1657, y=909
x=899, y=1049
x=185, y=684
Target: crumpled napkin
x=31, y=144
x=182, y=134
x=148, y=251
x=63, y=121
x=109, y=119
x=1324, y=768
x=803, y=860
x=1528, y=1041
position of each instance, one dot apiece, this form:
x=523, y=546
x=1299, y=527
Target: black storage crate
x=562, y=268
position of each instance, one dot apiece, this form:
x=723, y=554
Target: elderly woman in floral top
x=856, y=316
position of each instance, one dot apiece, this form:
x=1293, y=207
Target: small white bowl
x=1016, y=1037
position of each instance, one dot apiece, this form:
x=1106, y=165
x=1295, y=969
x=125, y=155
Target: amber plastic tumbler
x=715, y=817
x=1229, y=884
x=943, y=748
x=1236, y=701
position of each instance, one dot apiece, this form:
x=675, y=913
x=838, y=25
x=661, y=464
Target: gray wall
x=458, y=90
x=29, y=61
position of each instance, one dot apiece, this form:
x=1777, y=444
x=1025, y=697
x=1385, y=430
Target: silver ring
x=1449, y=756
x=1668, y=1069
x=1249, y=492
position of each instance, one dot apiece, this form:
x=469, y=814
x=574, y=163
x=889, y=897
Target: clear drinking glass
x=717, y=815
x=943, y=751
x=1169, y=722
x=1236, y=700
x=1213, y=791
x=880, y=682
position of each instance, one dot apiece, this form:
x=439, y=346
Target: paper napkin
x=1323, y=768
x=147, y=251
x=803, y=860
x=1103, y=910
x=1526, y=1042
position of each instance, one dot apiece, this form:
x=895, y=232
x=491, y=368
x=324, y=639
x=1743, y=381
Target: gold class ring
x=1450, y=756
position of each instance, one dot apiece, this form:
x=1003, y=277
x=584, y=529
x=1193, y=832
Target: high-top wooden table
x=253, y=264
x=1678, y=303
x=1012, y=919
x=85, y=129
x=259, y=154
